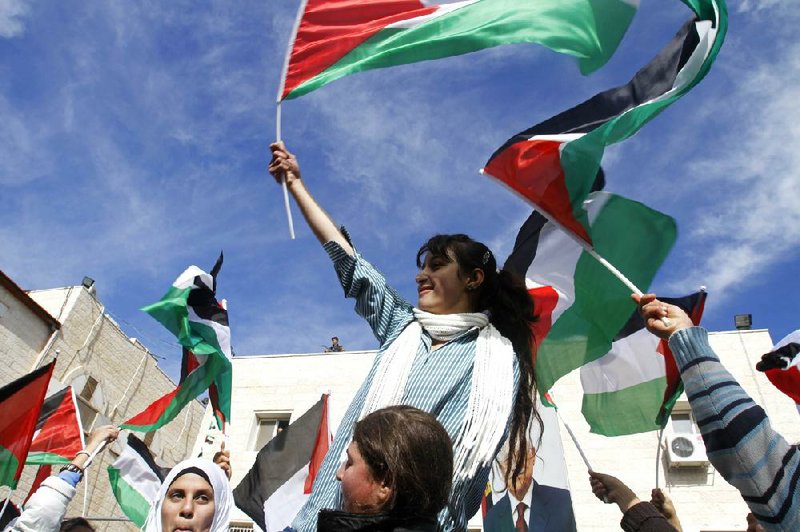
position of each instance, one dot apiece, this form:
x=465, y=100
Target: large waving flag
x=634, y=386
x=334, y=38
x=192, y=313
x=59, y=434
x=280, y=481
x=782, y=366
x=582, y=306
x=20, y=404
x=553, y=164
x=135, y=479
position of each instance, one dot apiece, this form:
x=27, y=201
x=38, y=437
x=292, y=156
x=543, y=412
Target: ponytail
x=511, y=312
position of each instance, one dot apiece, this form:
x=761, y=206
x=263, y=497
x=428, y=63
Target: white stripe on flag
x=631, y=361
x=285, y=502
x=444, y=9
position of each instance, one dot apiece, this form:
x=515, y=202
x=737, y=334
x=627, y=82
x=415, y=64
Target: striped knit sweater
x=739, y=440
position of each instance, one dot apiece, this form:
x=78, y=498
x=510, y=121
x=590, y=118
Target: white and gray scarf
x=491, y=395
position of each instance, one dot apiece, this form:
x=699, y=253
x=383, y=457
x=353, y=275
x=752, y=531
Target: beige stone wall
x=23, y=335
x=91, y=344
x=293, y=383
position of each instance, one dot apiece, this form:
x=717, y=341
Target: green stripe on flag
x=44, y=458
x=581, y=158
x=134, y=505
x=611, y=414
x=589, y=30
x=8, y=468
x=195, y=383
x=635, y=239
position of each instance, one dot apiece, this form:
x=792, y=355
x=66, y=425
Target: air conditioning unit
x=686, y=450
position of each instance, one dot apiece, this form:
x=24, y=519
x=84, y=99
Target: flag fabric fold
x=580, y=304
x=135, y=479
x=191, y=312
x=634, y=386
x=335, y=38
x=59, y=435
x=280, y=481
x=553, y=163
x=782, y=366
x=20, y=404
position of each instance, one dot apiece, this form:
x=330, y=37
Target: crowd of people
x=452, y=383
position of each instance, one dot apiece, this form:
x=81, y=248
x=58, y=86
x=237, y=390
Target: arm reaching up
x=284, y=165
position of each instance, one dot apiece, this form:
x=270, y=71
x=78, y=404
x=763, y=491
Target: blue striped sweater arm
x=386, y=312
x=739, y=439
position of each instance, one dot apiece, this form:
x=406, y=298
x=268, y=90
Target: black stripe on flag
x=636, y=323
x=139, y=447
x=278, y=461
x=527, y=241
x=656, y=78
x=50, y=405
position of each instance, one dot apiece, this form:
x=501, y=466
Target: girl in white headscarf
x=196, y=496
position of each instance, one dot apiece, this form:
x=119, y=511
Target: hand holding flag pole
x=283, y=180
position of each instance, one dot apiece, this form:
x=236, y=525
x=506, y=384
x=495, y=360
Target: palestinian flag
x=634, y=386
x=280, y=481
x=135, y=479
x=782, y=366
x=59, y=435
x=192, y=313
x=581, y=305
x=334, y=38
x=554, y=163
x=20, y=403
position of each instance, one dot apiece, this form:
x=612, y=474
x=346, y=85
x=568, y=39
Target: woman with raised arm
x=463, y=354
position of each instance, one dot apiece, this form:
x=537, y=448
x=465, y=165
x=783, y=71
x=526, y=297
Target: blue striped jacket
x=739, y=439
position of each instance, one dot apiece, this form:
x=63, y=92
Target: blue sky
x=133, y=143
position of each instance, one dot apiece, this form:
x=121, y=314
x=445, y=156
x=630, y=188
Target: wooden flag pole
x=283, y=180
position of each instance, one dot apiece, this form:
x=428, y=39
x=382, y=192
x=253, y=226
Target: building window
x=87, y=412
x=267, y=427
x=682, y=423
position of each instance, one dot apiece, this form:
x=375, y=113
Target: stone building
x=271, y=391
x=114, y=378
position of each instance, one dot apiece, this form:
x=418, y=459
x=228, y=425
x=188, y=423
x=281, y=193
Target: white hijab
x=223, y=496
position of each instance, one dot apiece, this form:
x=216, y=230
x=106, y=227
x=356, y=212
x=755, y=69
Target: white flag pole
x=283, y=180
x=658, y=453
x=575, y=441
x=589, y=249
x=8, y=499
x=300, y=10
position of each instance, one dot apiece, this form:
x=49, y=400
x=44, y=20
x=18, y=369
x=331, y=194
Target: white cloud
x=12, y=15
x=749, y=220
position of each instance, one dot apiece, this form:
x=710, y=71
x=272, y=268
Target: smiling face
x=361, y=492
x=188, y=505
x=441, y=286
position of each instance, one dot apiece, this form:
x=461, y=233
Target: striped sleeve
x=739, y=439
x=383, y=308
